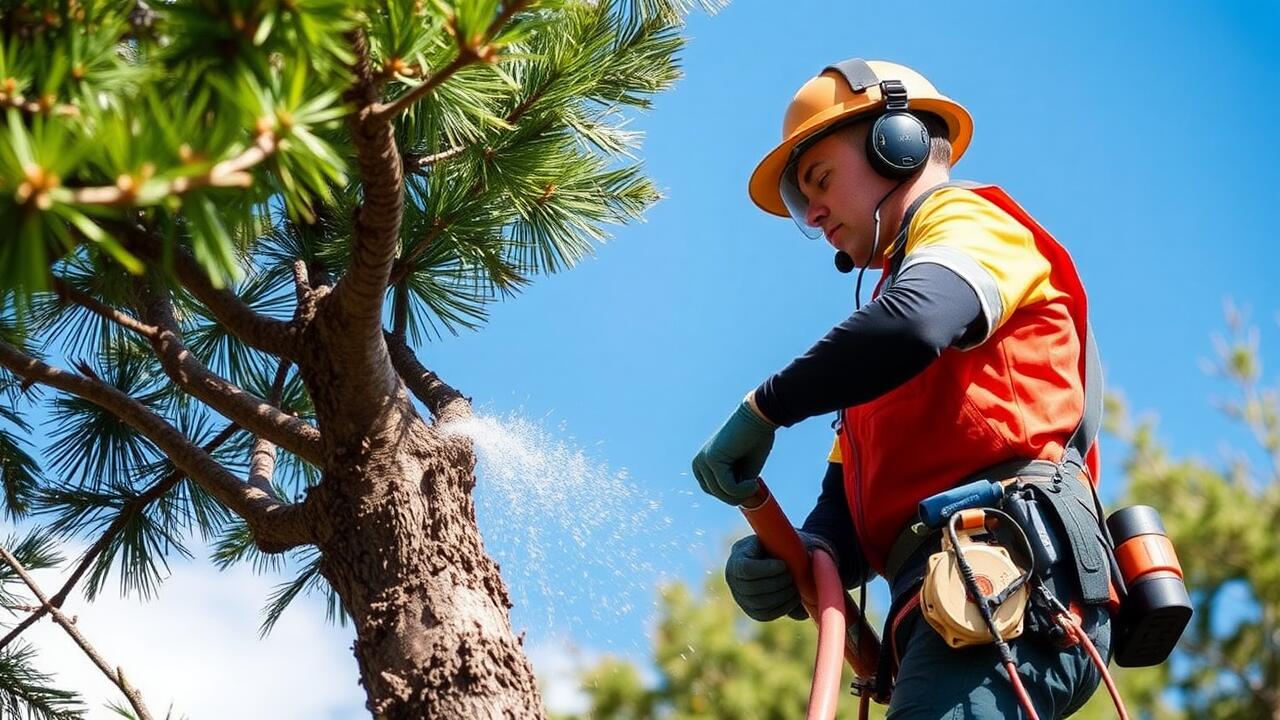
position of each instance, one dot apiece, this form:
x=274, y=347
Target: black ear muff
x=898, y=143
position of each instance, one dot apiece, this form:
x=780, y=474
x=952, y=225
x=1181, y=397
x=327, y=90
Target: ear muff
x=898, y=143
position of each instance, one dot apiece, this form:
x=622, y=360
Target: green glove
x=759, y=582
x=729, y=463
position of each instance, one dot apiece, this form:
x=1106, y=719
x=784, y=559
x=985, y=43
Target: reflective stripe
x=969, y=270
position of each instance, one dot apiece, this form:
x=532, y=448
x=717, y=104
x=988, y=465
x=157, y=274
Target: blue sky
x=1137, y=133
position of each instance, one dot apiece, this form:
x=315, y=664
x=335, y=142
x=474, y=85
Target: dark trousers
x=937, y=682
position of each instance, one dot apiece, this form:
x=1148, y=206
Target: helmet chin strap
x=875, y=244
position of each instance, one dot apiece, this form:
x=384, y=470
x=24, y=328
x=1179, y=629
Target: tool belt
x=1075, y=560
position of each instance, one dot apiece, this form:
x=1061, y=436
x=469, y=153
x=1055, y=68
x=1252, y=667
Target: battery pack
x=1156, y=607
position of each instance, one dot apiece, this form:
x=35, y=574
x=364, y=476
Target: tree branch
x=400, y=311
x=375, y=148
x=128, y=190
x=444, y=402
x=276, y=526
x=418, y=164
x=355, y=304
x=384, y=112
x=262, y=460
x=301, y=282
x=252, y=412
x=262, y=466
x=70, y=294
x=254, y=329
x=116, y=676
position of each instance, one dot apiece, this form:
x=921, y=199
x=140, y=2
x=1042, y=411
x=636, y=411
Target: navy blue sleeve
x=830, y=520
x=886, y=343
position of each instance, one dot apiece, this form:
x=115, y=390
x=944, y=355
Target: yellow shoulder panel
x=988, y=248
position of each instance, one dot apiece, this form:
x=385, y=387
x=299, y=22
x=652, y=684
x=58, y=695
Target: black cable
x=984, y=608
x=875, y=244
x=984, y=602
x=1031, y=558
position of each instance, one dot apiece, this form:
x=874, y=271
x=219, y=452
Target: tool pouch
x=1069, y=504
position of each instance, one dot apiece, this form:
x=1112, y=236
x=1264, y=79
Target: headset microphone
x=844, y=262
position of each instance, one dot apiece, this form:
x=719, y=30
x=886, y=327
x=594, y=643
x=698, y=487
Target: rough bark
x=400, y=545
x=395, y=523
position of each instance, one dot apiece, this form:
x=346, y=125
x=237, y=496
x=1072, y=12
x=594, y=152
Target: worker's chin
x=858, y=252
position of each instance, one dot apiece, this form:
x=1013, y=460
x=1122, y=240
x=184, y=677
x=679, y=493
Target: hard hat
x=829, y=99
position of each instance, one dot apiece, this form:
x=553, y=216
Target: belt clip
x=1058, y=478
x=1061, y=467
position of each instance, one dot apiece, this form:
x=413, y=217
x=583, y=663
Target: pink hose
x=825, y=693
x=818, y=581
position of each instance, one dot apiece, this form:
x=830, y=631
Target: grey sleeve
x=929, y=309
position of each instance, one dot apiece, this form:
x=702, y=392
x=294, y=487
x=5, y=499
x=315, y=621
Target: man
x=969, y=362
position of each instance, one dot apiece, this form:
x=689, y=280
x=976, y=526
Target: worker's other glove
x=729, y=463
x=759, y=582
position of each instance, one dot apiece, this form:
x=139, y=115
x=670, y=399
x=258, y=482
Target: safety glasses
x=789, y=183
x=796, y=202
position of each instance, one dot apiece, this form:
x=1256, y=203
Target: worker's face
x=842, y=191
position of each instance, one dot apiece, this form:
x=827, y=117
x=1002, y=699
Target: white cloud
x=558, y=663
x=196, y=647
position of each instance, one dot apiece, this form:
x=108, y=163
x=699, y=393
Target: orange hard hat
x=829, y=98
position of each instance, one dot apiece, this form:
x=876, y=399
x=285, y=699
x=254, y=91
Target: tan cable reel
x=944, y=599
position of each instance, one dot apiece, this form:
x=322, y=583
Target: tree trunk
x=401, y=547
x=396, y=526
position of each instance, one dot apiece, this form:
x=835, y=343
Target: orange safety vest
x=1017, y=396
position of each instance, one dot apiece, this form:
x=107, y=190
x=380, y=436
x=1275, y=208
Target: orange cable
x=1079, y=633
x=1020, y=691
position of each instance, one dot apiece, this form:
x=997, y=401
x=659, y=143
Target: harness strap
x=1086, y=432
x=895, y=623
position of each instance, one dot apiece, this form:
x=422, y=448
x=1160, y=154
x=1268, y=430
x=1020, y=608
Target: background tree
x=715, y=663
x=228, y=225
